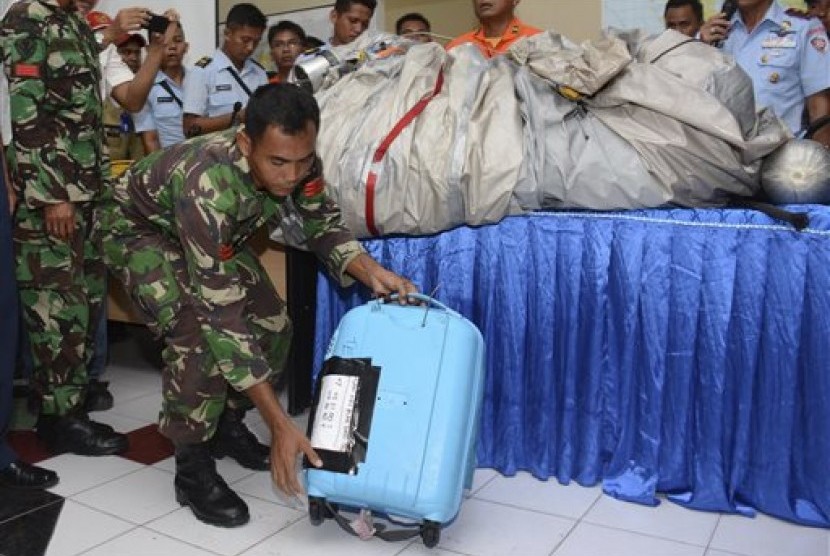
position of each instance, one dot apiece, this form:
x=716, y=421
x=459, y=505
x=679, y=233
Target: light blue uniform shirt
x=787, y=59
x=163, y=112
x=211, y=90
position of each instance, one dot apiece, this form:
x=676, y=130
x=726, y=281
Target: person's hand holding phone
x=157, y=23
x=715, y=30
x=127, y=21
x=160, y=30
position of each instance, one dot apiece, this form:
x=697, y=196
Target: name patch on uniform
x=224, y=87
x=774, y=41
x=819, y=43
x=164, y=99
x=27, y=70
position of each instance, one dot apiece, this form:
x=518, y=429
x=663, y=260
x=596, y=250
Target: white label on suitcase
x=333, y=419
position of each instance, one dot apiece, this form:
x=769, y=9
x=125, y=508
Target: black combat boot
x=233, y=439
x=199, y=486
x=77, y=434
x=98, y=396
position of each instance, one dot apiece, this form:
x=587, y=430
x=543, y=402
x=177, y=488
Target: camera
x=157, y=24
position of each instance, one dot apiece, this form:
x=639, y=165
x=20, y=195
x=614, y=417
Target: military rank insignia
x=226, y=252
x=314, y=188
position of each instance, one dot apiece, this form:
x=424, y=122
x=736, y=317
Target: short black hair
x=178, y=25
x=313, y=42
x=246, y=15
x=343, y=6
x=285, y=25
x=284, y=105
x=696, y=6
x=414, y=16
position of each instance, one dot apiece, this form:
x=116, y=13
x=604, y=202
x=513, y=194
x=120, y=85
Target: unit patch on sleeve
x=27, y=70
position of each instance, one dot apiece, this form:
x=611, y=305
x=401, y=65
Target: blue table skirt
x=676, y=351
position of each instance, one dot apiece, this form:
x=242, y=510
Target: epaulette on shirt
x=204, y=61
x=800, y=14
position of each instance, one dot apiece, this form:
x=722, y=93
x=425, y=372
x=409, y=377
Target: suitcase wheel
x=317, y=511
x=431, y=533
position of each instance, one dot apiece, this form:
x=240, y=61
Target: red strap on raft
x=372, y=179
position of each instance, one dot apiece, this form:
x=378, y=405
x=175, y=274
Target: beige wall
x=271, y=6
x=578, y=20
x=448, y=17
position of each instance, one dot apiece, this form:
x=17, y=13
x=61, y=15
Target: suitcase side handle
x=423, y=298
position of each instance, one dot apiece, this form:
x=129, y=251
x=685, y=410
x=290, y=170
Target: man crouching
x=175, y=232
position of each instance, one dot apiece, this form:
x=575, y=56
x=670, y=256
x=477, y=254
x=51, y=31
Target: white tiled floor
x=119, y=508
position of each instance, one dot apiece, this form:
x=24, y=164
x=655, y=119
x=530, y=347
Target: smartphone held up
x=157, y=24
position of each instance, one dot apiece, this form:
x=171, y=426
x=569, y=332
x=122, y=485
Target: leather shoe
x=98, y=396
x=200, y=487
x=20, y=474
x=78, y=435
x=233, y=439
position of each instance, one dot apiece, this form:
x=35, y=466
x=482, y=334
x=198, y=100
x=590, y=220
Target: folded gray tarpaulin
x=618, y=123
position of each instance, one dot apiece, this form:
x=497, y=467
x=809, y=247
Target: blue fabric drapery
x=676, y=351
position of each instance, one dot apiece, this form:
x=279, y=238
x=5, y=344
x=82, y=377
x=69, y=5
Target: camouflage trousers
x=61, y=286
x=195, y=392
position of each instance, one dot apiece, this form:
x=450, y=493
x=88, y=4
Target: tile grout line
x=152, y=531
x=517, y=507
x=122, y=518
x=86, y=550
x=274, y=534
x=646, y=535
x=481, y=487
x=714, y=532
x=108, y=481
x=62, y=499
x=577, y=523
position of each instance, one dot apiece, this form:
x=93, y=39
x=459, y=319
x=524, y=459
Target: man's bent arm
x=198, y=125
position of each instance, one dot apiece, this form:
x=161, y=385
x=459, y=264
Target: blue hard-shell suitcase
x=396, y=414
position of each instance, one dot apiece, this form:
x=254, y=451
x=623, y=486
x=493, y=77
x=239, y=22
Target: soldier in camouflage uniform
x=56, y=160
x=175, y=233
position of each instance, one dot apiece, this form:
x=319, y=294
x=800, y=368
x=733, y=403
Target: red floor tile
x=28, y=447
x=148, y=446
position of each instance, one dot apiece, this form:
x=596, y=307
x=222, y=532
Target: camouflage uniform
x=175, y=234
x=57, y=155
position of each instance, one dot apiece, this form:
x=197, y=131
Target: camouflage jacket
x=199, y=195
x=51, y=60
